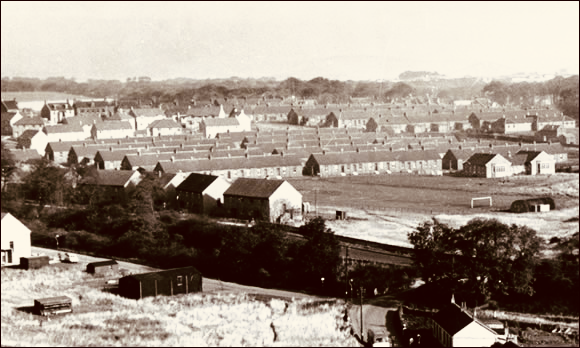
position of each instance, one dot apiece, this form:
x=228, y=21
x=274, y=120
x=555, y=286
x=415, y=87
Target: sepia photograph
x=312, y=174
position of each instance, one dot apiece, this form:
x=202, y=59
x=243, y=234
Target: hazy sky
x=359, y=41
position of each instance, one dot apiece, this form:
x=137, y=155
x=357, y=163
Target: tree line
x=563, y=91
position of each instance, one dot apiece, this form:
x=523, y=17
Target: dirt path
x=209, y=285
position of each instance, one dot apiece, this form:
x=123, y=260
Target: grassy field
x=424, y=193
x=39, y=96
x=205, y=319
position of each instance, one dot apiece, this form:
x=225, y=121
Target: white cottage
x=15, y=240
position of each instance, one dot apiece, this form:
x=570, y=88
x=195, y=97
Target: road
x=209, y=285
x=379, y=315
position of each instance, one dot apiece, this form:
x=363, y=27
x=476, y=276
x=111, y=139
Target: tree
x=399, y=90
x=490, y=257
x=45, y=183
x=8, y=166
x=497, y=92
x=320, y=255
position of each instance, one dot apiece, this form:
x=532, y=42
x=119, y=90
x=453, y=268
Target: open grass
x=203, y=319
x=424, y=194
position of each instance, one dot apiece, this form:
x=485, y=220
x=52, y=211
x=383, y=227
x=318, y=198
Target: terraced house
x=94, y=108
x=423, y=162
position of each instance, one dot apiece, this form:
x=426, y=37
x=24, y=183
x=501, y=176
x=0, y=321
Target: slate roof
x=7, y=116
x=114, y=177
x=452, y=319
x=30, y=121
x=196, y=183
x=203, y=165
x=120, y=116
x=166, y=179
x=375, y=156
x=480, y=159
x=165, y=123
x=255, y=188
x=113, y=125
x=519, y=159
x=82, y=120
x=221, y=122
x=111, y=155
x=146, y=112
x=92, y=104
x=10, y=104
x=58, y=106
x=530, y=155
x=63, y=128
x=24, y=155
x=28, y=134
x=2, y=215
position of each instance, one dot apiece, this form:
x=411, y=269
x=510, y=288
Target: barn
x=170, y=282
x=102, y=267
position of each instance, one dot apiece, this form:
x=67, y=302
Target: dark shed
x=170, y=282
x=102, y=266
x=33, y=262
x=53, y=305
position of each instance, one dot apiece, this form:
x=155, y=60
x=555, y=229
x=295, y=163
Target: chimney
x=391, y=149
x=452, y=298
x=174, y=150
x=460, y=147
x=324, y=152
x=138, y=152
x=209, y=157
x=247, y=155
x=111, y=148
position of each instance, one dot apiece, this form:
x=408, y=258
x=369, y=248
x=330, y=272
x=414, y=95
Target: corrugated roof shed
x=256, y=188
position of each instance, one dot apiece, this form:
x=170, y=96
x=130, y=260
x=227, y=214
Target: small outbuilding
x=101, y=267
x=34, y=262
x=170, y=282
x=53, y=305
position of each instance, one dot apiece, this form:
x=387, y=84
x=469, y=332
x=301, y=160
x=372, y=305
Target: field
x=39, y=96
x=211, y=318
x=385, y=208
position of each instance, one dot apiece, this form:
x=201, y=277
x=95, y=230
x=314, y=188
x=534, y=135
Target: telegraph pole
x=361, y=314
x=346, y=275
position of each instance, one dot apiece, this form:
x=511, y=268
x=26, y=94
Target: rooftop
x=255, y=188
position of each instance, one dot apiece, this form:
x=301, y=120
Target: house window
x=295, y=169
x=279, y=171
x=376, y=166
x=342, y=168
x=229, y=174
x=179, y=280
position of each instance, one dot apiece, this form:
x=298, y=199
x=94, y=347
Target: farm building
x=33, y=139
x=8, y=120
x=112, y=130
x=170, y=282
x=64, y=132
x=112, y=183
x=453, y=326
x=56, y=112
x=94, y=108
x=26, y=123
x=263, y=199
x=15, y=240
x=202, y=194
x=488, y=165
x=165, y=126
x=101, y=267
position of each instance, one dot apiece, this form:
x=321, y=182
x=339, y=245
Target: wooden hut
x=33, y=262
x=170, y=282
x=53, y=305
x=102, y=267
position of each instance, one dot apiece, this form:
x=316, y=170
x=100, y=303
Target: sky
x=335, y=40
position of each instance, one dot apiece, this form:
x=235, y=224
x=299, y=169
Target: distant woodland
x=563, y=91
